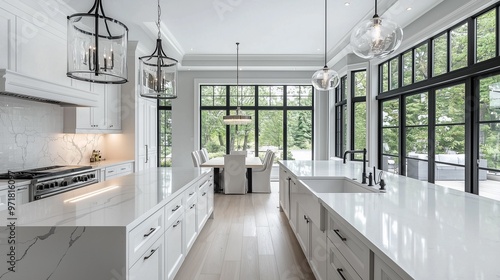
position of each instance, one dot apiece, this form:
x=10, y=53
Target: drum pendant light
x=240, y=117
x=97, y=47
x=325, y=79
x=158, y=72
x=376, y=37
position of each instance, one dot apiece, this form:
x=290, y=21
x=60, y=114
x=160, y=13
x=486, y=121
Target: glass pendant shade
x=325, y=79
x=158, y=75
x=97, y=47
x=376, y=37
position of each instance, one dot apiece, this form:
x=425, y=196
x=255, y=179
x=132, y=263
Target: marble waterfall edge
x=61, y=253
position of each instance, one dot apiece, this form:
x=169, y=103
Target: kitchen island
x=138, y=226
x=416, y=230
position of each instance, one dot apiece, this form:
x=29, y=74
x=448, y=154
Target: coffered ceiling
x=197, y=31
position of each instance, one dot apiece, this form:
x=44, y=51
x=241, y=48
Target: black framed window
x=165, y=133
x=341, y=117
x=449, y=109
x=358, y=116
x=390, y=135
x=282, y=120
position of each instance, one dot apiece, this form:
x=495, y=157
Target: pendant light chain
x=237, y=75
x=326, y=23
x=376, y=10
x=158, y=24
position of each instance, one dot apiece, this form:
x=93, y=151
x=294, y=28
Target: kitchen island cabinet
x=126, y=227
x=415, y=230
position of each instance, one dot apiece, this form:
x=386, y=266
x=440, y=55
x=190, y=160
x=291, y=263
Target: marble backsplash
x=31, y=136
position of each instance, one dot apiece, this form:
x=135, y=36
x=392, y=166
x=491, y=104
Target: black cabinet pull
x=151, y=254
x=340, y=270
x=176, y=208
x=176, y=224
x=151, y=230
x=340, y=236
x=192, y=206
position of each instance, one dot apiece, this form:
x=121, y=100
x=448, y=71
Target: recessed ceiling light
x=318, y=50
x=192, y=49
x=408, y=9
x=347, y=3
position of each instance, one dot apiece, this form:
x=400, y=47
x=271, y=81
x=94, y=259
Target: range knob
x=39, y=187
x=46, y=186
x=92, y=175
x=85, y=177
x=64, y=183
x=52, y=185
x=56, y=183
x=75, y=179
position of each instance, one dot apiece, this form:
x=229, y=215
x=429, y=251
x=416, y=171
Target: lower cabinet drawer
x=173, y=209
x=382, y=271
x=142, y=236
x=351, y=247
x=337, y=266
x=118, y=170
x=150, y=264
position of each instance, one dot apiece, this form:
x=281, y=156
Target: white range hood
x=22, y=86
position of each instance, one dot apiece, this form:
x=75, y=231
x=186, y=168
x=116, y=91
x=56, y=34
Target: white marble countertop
x=429, y=231
x=116, y=202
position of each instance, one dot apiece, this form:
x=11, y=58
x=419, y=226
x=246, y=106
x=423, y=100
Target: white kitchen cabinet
x=284, y=190
x=147, y=133
x=202, y=209
x=337, y=266
x=382, y=271
x=105, y=118
x=191, y=225
x=118, y=170
x=150, y=264
x=350, y=246
x=313, y=243
x=303, y=231
x=174, y=247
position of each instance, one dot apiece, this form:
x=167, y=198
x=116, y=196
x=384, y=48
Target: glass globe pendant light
x=376, y=37
x=158, y=72
x=325, y=79
x=239, y=118
x=97, y=47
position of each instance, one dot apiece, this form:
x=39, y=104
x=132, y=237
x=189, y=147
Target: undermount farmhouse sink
x=338, y=186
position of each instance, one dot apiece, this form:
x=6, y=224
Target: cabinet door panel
x=318, y=252
x=174, y=248
x=303, y=231
x=338, y=267
x=7, y=49
x=381, y=271
x=113, y=107
x=150, y=265
x=191, y=226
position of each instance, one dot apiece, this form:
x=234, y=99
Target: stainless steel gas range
x=53, y=180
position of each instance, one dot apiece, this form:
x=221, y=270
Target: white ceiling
x=196, y=29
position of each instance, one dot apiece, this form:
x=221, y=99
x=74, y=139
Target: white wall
x=185, y=109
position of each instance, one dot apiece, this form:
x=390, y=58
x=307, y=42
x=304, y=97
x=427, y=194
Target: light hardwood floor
x=249, y=238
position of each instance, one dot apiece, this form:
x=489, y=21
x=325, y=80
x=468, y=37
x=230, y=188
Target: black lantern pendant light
x=325, y=79
x=239, y=118
x=158, y=72
x=97, y=47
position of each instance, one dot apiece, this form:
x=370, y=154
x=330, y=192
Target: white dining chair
x=196, y=158
x=238, y=153
x=201, y=156
x=261, y=178
x=235, y=180
x=204, y=154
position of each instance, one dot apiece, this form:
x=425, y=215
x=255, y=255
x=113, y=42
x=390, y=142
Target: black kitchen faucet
x=363, y=176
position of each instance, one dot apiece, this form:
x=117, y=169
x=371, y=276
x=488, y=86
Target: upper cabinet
x=105, y=118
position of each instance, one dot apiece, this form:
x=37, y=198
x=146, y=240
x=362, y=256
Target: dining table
x=218, y=162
